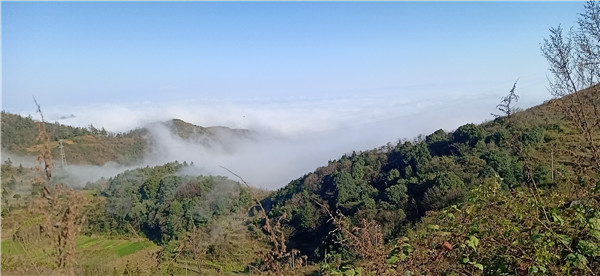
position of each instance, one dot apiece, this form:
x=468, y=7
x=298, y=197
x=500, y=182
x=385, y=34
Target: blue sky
x=370, y=72
x=77, y=53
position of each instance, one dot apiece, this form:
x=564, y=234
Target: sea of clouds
x=289, y=136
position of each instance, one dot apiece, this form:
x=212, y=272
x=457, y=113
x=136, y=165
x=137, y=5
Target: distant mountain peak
x=188, y=130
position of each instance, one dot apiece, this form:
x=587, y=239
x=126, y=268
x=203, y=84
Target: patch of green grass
x=31, y=221
x=10, y=247
x=127, y=248
x=119, y=247
x=85, y=241
x=84, y=245
x=107, y=244
x=90, y=194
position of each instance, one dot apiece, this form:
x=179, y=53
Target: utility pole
x=63, y=160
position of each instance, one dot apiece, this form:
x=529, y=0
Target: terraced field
x=94, y=255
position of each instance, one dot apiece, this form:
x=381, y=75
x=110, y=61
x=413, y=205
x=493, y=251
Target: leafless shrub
x=506, y=106
x=364, y=240
x=197, y=244
x=574, y=61
x=59, y=204
x=277, y=261
x=43, y=138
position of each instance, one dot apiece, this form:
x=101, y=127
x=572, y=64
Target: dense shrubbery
x=163, y=205
x=479, y=191
x=393, y=184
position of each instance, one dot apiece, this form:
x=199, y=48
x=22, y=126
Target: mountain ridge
x=126, y=148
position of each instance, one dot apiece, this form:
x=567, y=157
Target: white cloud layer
x=294, y=136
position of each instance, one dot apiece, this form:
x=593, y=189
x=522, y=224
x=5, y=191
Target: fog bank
x=289, y=137
x=285, y=145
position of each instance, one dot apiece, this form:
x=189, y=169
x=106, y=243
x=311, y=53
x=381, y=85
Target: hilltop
x=96, y=146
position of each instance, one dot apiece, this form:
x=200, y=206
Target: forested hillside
x=519, y=192
x=516, y=195
x=153, y=212
x=97, y=146
x=162, y=204
x=83, y=145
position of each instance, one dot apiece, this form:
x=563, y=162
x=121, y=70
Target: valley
x=399, y=202
x=251, y=138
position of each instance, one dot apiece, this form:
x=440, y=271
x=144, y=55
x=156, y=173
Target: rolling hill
x=93, y=146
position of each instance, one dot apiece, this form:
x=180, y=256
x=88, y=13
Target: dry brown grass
x=60, y=206
x=279, y=260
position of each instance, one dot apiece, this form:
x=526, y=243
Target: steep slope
x=536, y=156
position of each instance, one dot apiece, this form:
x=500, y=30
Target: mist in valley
x=285, y=140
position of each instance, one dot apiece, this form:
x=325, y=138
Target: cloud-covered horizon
x=285, y=116
x=292, y=136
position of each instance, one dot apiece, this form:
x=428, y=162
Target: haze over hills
x=19, y=136
x=288, y=143
x=365, y=133
x=92, y=153
x=288, y=140
x=398, y=204
x=217, y=139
